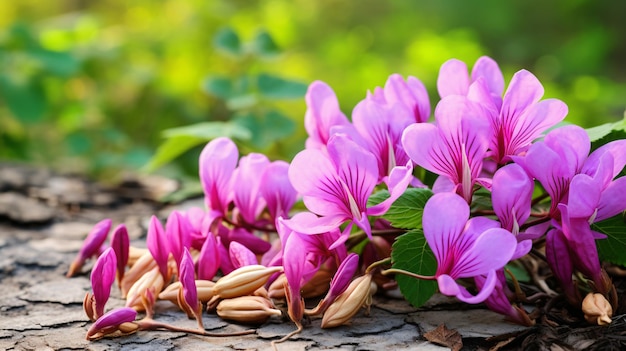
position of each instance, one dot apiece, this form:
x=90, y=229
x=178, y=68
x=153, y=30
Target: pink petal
x=308, y=223
x=444, y=218
x=217, y=163
x=511, y=196
x=277, y=190
x=572, y=144
x=322, y=113
x=410, y=93
x=102, y=277
x=209, y=258
x=612, y=200
x=158, y=245
x=178, y=233
x=241, y=256
x=246, y=186
x=533, y=122
x=490, y=251
x=453, y=78
x=488, y=69
x=186, y=275
x=523, y=91
x=121, y=245
x=483, y=294
x=616, y=149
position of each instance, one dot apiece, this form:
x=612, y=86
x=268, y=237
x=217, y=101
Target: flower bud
x=92, y=245
x=247, y=309
x=243, y=281
x=348, y=303
x=597, y=309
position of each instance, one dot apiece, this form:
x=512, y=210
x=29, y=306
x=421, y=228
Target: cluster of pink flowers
x=482, y=137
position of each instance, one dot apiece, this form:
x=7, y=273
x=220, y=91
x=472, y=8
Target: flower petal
x=217, y=163
x=410, y=93
x=613, y=200
x=247, y=197
x=158, y=245
x=241, y=256
x=488, y=69
x=444, y=218
x=491, y=250
x=322, y=113
x=453, y=78
x=511, y=195
x=523, y=91
x=209, y=258
x=277, y=190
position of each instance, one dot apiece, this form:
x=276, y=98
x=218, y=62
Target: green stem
x=378, y=263
x=410, y=274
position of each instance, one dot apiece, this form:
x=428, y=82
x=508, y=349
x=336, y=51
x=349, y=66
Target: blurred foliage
x=97, y=86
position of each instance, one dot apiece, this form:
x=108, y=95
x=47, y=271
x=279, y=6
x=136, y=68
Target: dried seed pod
x=247, y=309
x=136, y=294
x=357, y=295
x=243, y=281
x=597, y=309
x=142, y=266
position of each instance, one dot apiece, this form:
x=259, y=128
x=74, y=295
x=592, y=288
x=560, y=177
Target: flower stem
x=151, y=324
x=378, y=263
x=410, y=274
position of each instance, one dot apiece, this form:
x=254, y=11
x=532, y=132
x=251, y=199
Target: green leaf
x=406, y=211
x=170, y=149
x=410, y=252
x=210, y=130
x=273, y=87
x=264, y=45
x=59, y=63
x=228, y=41
x=606, y=133
x=25, y=101
x=220, y=87
x=613, y=247
x=268, y=127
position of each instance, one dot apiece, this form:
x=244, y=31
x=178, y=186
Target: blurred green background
x=99, y=86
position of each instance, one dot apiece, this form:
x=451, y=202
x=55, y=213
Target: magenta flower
x=454, y=148
x=110, y=322
x=92, y=245
x=240, y=255
x=121, y=245
x=158, y=246
x=336, y=185
x=217, y=163
x=209, y=258
x=409, y=93
x=453, y=79
x=464, y=248
x=322, y=115
x=517, y=120
x=381, y=127
x=178, y=233
x=247, y=197
x=102, y=277
x=277, y=190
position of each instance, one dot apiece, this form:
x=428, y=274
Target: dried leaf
x=445, y=337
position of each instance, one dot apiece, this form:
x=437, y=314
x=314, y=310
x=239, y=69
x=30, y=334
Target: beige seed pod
x=358, y=294
x=597, y=309
x=142, y=266
x=152, y=280
x=243, y=281
x=247, y=309
x=204, y=288
x=277, y=288
x=134, y=253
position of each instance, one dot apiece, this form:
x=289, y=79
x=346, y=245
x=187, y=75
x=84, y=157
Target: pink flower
x=121, y=245
x=336, y=185
x=464, y=248
x=158, y=246
x=322, y=115
x=102, y=277
x=454, y=147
